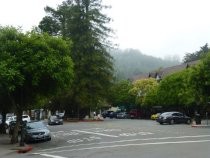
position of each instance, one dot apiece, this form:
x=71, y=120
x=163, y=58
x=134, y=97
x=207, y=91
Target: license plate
x=40, y=136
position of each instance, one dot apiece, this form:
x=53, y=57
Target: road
x=124, y=138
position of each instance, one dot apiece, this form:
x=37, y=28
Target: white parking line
x=101, y=134
x=47, y=155
x=127, y=145
x=57, y=132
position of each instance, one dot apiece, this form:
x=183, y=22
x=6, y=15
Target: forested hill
x=130, y=62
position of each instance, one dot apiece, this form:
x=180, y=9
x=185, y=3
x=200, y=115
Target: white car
x=10, y=119
x=25, y=118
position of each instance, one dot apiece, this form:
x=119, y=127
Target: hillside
x=130, y=62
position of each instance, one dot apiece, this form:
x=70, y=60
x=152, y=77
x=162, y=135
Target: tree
x=141, y=88
x=83, y=22
x=197, y=55
x=176, y=92
x=200, y=80
x=119, y=94
x=6, y=107
x=32, y=65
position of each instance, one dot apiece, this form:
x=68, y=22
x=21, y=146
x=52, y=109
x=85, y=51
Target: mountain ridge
x=131, y=62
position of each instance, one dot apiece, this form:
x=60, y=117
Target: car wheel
x=161, y=123
x=171, y=122
x=49, y=139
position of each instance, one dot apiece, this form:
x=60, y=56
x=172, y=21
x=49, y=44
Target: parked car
x=173, y=117
x=55, y=120
x=113, y=114
x=122, y=115
x=155, y=116
x=36, y=131
x=9, y=120
x=135, y=113
x=25, y=118
x=0, y=119
x=107, y=113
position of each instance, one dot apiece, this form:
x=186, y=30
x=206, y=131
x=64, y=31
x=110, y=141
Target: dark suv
x=173, y=117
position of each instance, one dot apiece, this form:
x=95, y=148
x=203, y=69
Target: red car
x=135, y=113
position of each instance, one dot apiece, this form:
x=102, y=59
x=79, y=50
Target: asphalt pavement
x=116, y=138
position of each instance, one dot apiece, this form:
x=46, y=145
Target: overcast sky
x=156, y=27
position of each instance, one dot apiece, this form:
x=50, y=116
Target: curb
x=91, y=120
x=201, y=126
x=24, y=149
x=85, y=120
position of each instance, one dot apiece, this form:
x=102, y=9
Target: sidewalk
x=6, y=148
x=204, y=124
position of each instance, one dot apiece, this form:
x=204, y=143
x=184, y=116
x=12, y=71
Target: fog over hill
x=131, y=62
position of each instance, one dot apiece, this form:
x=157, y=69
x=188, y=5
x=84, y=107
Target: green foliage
x=200, y=80
x=142, y=89
x=83, y=22
x=197, y=55
x=119, y=94
x=33, y=64
x=176, y=91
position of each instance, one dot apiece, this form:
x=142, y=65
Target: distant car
x=173, y=117
x=0, y=119
x=135, y=113
x=107, y=113
x=113, y=114
x=36, y=131
x=122, y=115
x=155, y=116
x=61, y=114
x=55, y=120
x=25, y=118
x=9, y=120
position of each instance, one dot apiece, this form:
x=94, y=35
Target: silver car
x=36, y=131
x=55, y=120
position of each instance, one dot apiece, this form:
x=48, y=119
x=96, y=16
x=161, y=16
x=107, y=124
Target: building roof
x=163, y=72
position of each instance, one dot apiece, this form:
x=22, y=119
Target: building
x=163, y=72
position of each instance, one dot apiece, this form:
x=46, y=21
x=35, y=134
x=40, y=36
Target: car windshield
x=54, y=117
x=25, y=116
x=35, y=125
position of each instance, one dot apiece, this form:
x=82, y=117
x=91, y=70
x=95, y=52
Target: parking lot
x=123, y=138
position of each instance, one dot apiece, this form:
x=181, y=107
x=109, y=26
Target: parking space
x=96, y=134
x=120, y=135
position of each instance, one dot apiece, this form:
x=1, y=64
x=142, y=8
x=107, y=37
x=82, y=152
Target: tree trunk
x=14, y=138
x=2, y=125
